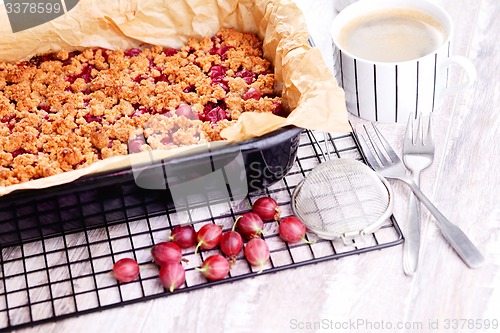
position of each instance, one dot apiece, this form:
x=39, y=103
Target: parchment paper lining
x=306, y=83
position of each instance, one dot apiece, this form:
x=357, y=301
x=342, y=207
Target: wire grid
x=69, y=274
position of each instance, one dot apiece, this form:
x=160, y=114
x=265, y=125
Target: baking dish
x=119, y=196
x=308, y=89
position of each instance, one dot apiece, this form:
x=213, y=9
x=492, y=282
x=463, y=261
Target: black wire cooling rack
x=68, y=274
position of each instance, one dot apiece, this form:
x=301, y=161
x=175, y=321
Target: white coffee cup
x=341, y=4
x=379, y=88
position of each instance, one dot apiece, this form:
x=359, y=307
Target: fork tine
x=376, y=148
x=409, y=129
x=390, y=152
x=419, y=136
x=370, y=158
x=430, y=132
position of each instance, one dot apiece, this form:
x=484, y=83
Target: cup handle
x=469, y=70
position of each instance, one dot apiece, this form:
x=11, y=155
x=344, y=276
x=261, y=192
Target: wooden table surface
x=370, y=292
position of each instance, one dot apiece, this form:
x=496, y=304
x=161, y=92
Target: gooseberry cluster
x=247, y=227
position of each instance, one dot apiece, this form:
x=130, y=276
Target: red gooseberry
x=208, y=237
x=126, y=270
x=292, y=230
x=215, y=267
x=267, y=208
x=172, y=276
x=183, y=236
x=257, y=253
x=249, y=225
x=231, y=244
x=166, y=253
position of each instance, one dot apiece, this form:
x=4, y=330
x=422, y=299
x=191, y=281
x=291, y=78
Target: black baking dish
x=115, y=197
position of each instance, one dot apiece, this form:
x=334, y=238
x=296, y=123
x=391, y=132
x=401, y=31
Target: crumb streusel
x=67, y=110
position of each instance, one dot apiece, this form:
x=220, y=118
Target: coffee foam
x=392, y=35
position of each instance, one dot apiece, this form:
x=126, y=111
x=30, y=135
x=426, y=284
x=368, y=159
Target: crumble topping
x=66, y=110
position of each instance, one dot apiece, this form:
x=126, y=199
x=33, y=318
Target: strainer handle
x=453, y=234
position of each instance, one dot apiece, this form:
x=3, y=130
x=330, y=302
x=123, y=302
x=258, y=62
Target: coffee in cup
x=392, y=35
x=392, y=58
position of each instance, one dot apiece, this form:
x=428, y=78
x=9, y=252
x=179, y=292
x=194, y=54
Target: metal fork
x=417, y=156
x=393, y=168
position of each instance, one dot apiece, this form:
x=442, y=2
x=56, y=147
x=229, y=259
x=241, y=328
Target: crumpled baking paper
x=308, y=87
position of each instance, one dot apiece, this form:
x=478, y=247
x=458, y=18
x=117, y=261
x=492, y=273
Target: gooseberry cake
x=66, y=110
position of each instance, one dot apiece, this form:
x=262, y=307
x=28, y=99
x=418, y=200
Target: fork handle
x=411, y=246
x=455, y=236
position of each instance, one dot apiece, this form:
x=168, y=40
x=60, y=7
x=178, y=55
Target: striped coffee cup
x=394, y=71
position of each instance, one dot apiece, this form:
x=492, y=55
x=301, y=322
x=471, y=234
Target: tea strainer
x=342, y=198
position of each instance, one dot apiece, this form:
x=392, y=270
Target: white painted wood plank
x=463, y=182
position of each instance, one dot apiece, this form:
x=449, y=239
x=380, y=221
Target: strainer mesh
x=341, y=196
